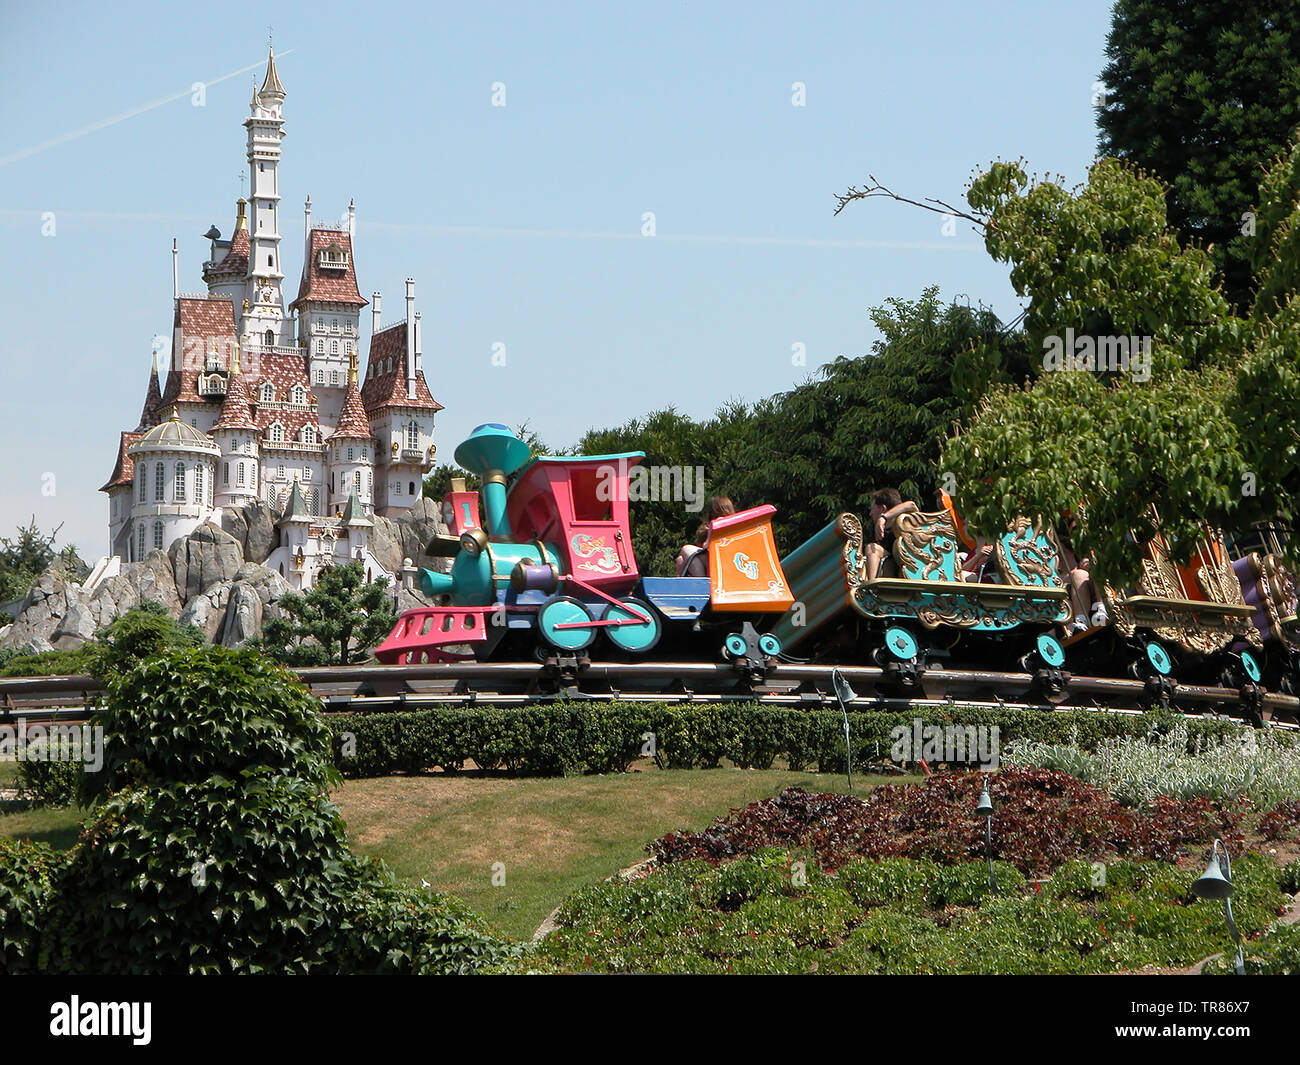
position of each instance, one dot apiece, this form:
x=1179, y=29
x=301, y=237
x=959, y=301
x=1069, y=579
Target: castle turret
x=236, y=436
x=173, y=469
x=263, y=323
x=349, y=452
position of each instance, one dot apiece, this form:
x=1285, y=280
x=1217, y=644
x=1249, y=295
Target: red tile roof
x=353, y=422
x=124, y=470
x=235, y=412
x=236, y=261
x=152, y=400
x=329, y=285
x=206, y=325
x=387, y=388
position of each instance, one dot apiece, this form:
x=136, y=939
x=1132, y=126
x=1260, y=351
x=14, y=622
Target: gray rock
x=154, y=581
x=206, y=611
x=253, y=601
x=207, y=556
x=41, y=612
x=253, y=525
x=385, y=543
x=78, y=623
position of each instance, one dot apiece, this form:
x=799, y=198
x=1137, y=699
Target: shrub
x=27, y=872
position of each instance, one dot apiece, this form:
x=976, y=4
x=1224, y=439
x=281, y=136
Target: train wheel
x=638, y=638
x=899, y=646
x=565, y=610
x=769, y=645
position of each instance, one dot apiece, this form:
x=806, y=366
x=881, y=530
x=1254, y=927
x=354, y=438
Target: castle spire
x=271, y=84
x=152, y=400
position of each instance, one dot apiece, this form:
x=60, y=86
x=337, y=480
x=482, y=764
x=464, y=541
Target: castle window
x=140, y=477
x=157, y=535
x=268, y=393
x=410, y=488
x=279, y=473
x=320, y=374
x=370, y=484
x=320, y=350
x=269, y=260
x=334, y=325
x=363, y=454
x=397, y=488
x=334, y=377
x=277, y=433
x=413, y=436
x=311, y=501
x=225, y=473
x=198, y=484
x=350, y=454
x=299, y=395
x=239, y=483
x=159, y=483
x=180, y=482
x=356, y=481
x=334, y=347
x=308, y=435
x=140, y=552
x=270, y=338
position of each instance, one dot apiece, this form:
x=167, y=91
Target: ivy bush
x=211, y=846
x=27, y=874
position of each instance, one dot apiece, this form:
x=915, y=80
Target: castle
x=258, y=403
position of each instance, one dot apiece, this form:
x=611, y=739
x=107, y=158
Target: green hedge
x=606, y=737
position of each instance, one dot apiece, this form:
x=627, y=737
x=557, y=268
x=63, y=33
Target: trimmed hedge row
x=569, y=738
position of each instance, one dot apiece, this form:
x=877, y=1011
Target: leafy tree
x=1203, y=95
x=142, y=631
x=336, y=622
x=1102, y=261
x=213, y=847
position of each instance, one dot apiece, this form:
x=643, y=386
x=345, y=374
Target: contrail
x=5, y=160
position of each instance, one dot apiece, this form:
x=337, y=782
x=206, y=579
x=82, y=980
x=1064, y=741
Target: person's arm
x=905, y=507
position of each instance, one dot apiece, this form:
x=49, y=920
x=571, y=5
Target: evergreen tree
x=1204, y=95
x=336, y=622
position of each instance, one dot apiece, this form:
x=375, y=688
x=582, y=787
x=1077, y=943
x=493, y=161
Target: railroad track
x=378, y=688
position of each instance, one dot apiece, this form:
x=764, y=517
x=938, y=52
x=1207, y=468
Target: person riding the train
x=878, y=556
x=693, y=559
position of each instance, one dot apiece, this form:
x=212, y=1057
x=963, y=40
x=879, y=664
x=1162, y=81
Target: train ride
x=542, y=564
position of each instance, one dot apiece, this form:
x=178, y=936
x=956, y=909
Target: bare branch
x=930, y=203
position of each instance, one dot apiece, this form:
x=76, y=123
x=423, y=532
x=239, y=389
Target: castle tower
x=263, y=319
x=174, y=465
x=349, y=451
x=329, y=314
x=236, y=437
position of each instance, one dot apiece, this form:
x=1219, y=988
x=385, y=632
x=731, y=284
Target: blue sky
x=521, y=224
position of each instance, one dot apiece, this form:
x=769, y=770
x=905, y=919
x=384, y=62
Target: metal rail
x=381, y=687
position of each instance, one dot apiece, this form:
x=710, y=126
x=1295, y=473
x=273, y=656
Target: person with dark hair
x=693, y=559
x=878, y=555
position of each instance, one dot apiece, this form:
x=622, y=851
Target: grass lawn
x=552, y=835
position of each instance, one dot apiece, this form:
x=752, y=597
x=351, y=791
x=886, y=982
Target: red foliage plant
x=1041, y=818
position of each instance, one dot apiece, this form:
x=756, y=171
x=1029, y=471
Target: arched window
x=410, y=488
x=299, y=395
x=308, y=435
x=320, y=374
x=413, y=436
x=157, y=535
x=277, y=433
x=356, y=481
x=397, y=488
x=313, y=505
x=370, y=484
x=268, y=393
x=334, y=347
x=334, y=377
x=200, y=496
x=139, y=555
x=270, y=338
x=320, y=347
x=225, y=473
x=159, y=483
x=140, y=477
x=179, y=494
x=363, y=454
x=239, y=482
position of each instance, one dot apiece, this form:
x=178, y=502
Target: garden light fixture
x=1216, y=883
